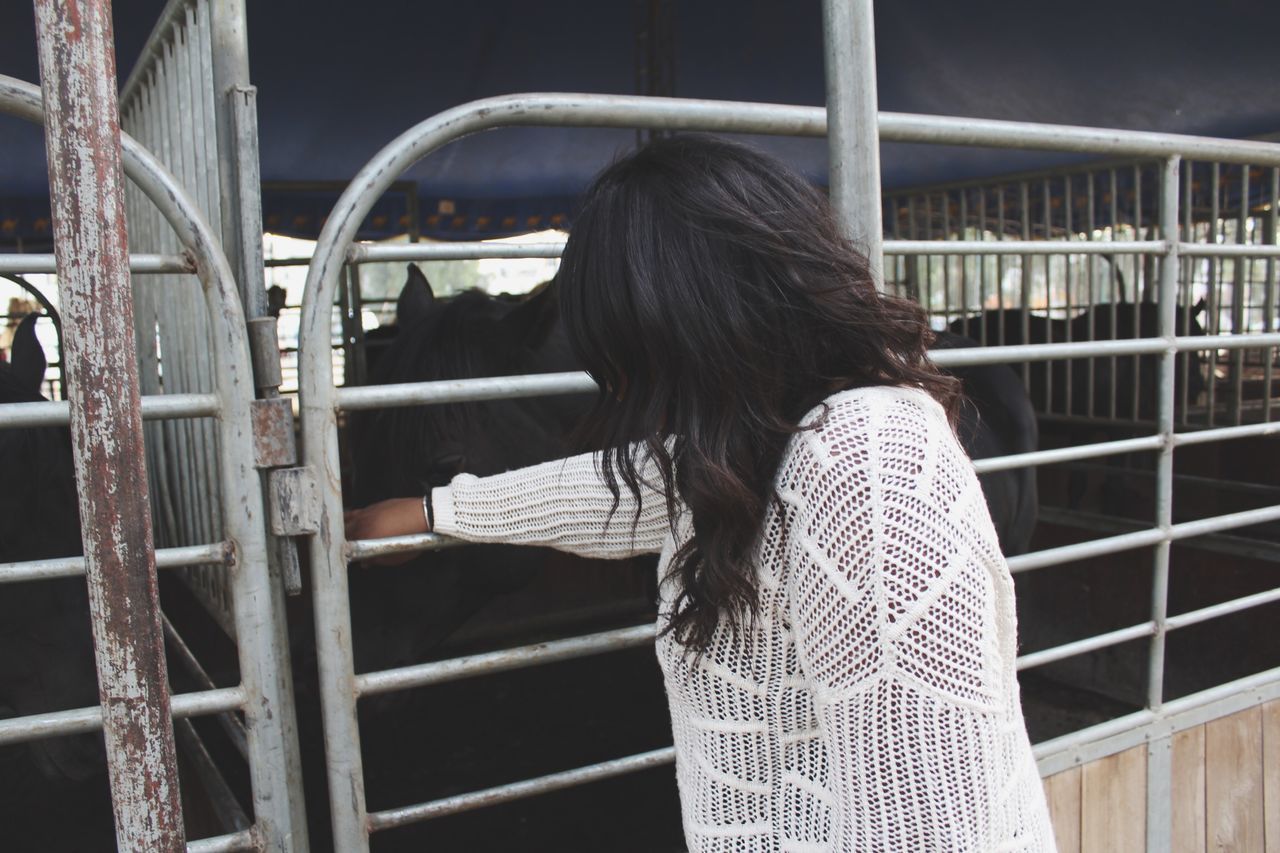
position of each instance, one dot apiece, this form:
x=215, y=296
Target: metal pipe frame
x=264, y=666
x=320, y=401
x=19, y=264
x=81, y=720
x=86, y=193
x=71, y=567
x=154, y=408
x=853, y=149
x=245, y=839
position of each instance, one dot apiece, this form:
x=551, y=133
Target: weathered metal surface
x=294, y=502
x=273, y=442
x=264, y=346
x=79, y=720
x=266, y=692
x=853, y=144
x=77, y=67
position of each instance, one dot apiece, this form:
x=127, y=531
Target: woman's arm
x=563, y=504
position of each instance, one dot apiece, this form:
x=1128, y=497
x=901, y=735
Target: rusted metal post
x=86, y=186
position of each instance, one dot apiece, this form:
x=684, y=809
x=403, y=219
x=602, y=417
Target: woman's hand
x=394, y=517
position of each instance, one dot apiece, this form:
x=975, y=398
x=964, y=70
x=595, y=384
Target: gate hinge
x=294, y=501
x=273, y=442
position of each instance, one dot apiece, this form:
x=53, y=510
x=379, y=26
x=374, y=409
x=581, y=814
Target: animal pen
x=1161, y=220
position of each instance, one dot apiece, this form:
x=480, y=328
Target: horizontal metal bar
x=245, y=839
x=463, y=390
x=1244, y=602
x=1230, y=250
x=1245, y=518
x=1088, y=644
x=455, y=669
x=1090, y=743
x=157, y=407
x=363, y=549
x=405, y=815
x=1217, y=543
x=1025, y=247
x=1206, y=436
x=991, y=133
x=18, y=264
x=1083, y=550
x=1068, y=454
x=370, y=253
x=1140, y=539
x=80, y=720
x=69, y=567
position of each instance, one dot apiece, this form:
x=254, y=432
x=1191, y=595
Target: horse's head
x=402, y=451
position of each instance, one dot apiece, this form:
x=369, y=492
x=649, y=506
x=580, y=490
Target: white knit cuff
x=442, y=509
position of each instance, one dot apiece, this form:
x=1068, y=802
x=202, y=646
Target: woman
x=837, y=631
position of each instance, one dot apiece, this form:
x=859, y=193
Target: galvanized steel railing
x=264, y=694
x=321, y=401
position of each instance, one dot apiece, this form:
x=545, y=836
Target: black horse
x=46, y=651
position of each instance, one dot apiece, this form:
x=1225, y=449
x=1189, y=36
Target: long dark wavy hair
x=710, y=292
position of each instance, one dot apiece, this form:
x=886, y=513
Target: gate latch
x=294, y=502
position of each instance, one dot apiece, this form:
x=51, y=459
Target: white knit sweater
x=874, y=704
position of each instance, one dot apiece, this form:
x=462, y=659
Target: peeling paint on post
x=86, y=185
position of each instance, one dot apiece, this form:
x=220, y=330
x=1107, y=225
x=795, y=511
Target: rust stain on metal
x=273, y=441
x=77, y=68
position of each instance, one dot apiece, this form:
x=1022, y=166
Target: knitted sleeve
x=893, y=607
x=563, y=504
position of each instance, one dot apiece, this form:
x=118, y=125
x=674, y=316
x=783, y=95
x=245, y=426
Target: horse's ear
x=27, y=356
x=533, y=319
x=416, y=298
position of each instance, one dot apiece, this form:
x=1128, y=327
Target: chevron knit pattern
x=873, y=704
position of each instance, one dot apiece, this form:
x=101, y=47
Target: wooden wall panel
x=1113, y=803
x=1233, y=782
x=1271, y=774
x=1062, y=790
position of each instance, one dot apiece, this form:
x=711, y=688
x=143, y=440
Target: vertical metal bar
x=981, y=262
x=853, y=134
x=1112, y=406
x=1212, y=294
x=1184, y=298
x=1269, y=299
x=77, y=69
x=1141, y=292
x=1024, y=199
x=1239, y=294
x=229, y=54
x=999, y=269
x=1092, y=311
x=928, y=259
x=964, y=263
x=1160, y=795
x=1164, y=466
x=1048, y=295
x=946, y=259
x=1066, y=261
x=355, y=310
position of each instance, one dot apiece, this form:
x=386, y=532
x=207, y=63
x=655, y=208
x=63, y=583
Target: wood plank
x=1233, y=782
x=1062, y=790
x=1271, y=774
x=1187, y=800
x=1113, y=803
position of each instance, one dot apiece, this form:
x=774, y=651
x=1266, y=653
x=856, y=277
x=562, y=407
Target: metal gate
x=203, y=422
x=321, y=402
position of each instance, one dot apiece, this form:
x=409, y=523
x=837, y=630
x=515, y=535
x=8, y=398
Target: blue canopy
x=338, y=80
